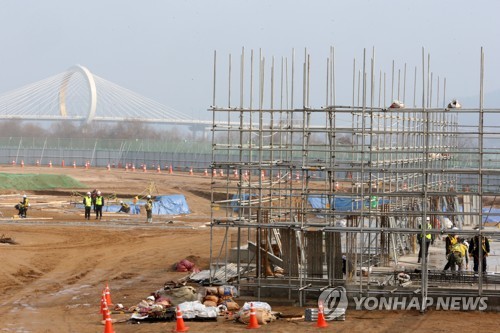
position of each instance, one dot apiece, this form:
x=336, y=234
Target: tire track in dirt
x=65, y=261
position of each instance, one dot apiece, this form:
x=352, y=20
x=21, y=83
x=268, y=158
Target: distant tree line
x=67, y=129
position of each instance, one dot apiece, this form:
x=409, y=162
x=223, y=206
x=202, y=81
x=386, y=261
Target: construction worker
x=425, y=241
x=474, y=250
x=149, y=209
x=22, y=206
x=124, y=207
x=98, y=202
x=450, y=240
x=458, y=253
x=87, y=203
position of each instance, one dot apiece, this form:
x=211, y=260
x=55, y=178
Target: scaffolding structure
x=317, y=197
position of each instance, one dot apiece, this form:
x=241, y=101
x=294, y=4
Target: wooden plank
x=272, y=258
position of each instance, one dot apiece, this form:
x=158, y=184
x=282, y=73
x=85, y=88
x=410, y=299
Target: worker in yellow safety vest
x=124, y=207
x=149, y=209
x=458, y=252
x=98, y=202
x=425, y=241
x=22, y=206
x=87, y=203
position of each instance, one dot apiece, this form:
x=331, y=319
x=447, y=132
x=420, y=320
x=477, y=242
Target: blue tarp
x=236, y=203
x=170, y=205
x=346, y=204
x=342, y=204
x=162, y=205
x=134, y=208
x=491, y=215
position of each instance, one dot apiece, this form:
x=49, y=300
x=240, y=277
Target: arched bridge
x=79, y=95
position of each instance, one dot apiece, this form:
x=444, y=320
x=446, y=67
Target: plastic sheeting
x=170, y=205
x=162, y=205
x=238, y=199
x=195, y=309
x=344, y=204
x=491, y=215
x=134, y=208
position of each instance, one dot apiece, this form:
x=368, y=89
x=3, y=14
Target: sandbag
x=212, y=298
x=210, y=303
x=227, y=291
x=230, y=304
x=180, y=295
x=222, y=291
x=212, y=291
x=263, y=316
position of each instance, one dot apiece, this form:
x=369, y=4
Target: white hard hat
x=121, y=201
x=151, y=298
x=88, y=193
x=428, y=218
x=98, y=192
x=24, y=196
x=149, y=196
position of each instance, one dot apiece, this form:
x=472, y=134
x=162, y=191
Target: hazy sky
x=164, y=49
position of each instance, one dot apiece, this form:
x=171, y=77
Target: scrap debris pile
x=188, y=298
x=204, y=303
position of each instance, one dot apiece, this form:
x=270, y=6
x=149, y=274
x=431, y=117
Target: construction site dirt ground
x=52, y=279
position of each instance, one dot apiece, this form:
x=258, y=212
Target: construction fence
x=181, y=155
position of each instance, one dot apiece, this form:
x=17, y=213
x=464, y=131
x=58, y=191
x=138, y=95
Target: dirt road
x=52, y=280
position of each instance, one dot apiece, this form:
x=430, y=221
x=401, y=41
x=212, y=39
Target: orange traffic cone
x=144, y=168
x=107, y=294
x=108, y=325
x=74, y=164
x=22, y=163
x=321, y=323
x=191, y=171
x=133, y=167
x=253, y=322
x=104, y=305
x=170, y=170
x=158, y=169
x=180, y=327
x=205, y=173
